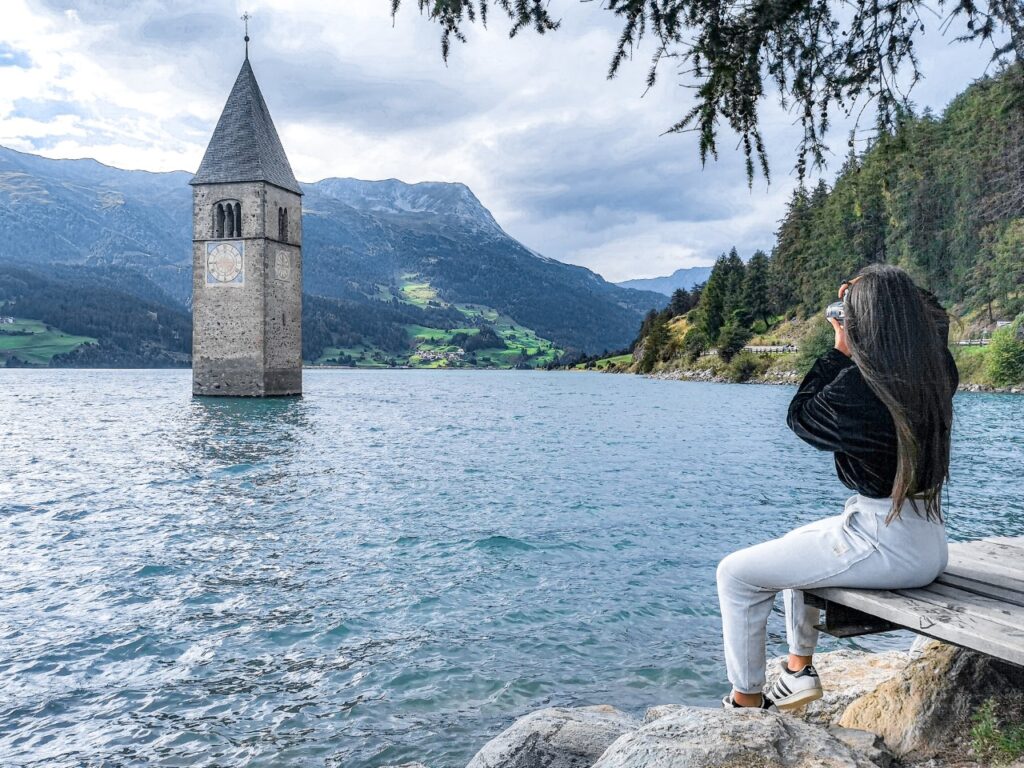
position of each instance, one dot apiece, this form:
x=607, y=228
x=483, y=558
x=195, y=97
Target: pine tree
x=680, y=303
x=756, y=294
x=713, y=298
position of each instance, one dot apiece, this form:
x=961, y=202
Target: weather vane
x=245, y=18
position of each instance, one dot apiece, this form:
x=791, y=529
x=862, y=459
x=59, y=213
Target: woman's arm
x=815, y=411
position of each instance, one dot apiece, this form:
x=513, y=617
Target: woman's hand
x=841, y=343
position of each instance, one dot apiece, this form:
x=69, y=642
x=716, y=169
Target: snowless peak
x=394, y=196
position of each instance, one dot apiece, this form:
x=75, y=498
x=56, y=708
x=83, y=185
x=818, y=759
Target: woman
x=881, y=401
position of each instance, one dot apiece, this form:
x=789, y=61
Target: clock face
x=283, y=265
x=225, y=264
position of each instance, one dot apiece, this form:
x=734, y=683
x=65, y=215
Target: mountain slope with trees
x=940, y=196
x=129, y=232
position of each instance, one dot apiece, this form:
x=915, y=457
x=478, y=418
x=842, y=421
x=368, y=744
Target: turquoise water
x=396, y=565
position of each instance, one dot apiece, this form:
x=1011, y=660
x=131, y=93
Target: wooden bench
x=977, y=602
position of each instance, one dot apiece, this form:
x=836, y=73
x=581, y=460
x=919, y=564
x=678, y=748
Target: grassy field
x=971, y=362
x=35, y=342
x=613, y=363
x=435, y=347
x=417, y=292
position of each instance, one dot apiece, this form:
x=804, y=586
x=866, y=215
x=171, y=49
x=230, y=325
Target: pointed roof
x=245, y=145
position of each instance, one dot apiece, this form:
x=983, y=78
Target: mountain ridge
x=363, y=241
x=685, y=277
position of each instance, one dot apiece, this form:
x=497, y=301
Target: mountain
x=939, y=195
x=681, y=278
x=431, y=247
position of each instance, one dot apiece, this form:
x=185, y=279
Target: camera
x=835, y=310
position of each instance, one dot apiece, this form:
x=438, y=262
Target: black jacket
x=835, y=410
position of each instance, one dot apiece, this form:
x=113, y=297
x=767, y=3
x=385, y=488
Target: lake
x=396, y=565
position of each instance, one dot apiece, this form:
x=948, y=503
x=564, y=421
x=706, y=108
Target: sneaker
x=766, y=704
x=794, y=690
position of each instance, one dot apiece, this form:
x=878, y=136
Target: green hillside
x=34, y=342
x=481, y=337
x=940, y=196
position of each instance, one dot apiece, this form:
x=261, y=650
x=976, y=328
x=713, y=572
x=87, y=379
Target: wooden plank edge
x=967, y=603
x=982, y=588
x=942, y=625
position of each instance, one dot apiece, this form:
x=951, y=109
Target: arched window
x=282, y=224
x=227, y=219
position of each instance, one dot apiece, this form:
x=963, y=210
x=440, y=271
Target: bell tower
x=246, y=255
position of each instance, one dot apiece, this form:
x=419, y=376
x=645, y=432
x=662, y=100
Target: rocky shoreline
x=793, y=378
x=894, y=709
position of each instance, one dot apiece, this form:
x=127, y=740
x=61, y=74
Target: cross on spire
x=245, y=18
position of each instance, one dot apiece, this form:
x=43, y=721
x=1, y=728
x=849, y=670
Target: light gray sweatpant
x=854, y=549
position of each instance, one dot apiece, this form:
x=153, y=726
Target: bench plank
x=973, y=586
x=1013, y=541
x=998, y=574
x=1000, y=558
x=957, y=600
x=995, y=639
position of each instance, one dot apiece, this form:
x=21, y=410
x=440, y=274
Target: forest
x=137, y=325
x=940, y=195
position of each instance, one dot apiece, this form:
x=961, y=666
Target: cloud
x=11, y=57
x=328, y=91
x=574, y=165
x=44, y=109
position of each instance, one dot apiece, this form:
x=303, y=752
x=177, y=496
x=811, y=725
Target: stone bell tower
x=246, y=255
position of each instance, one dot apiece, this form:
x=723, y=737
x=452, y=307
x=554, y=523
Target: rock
x=871, y=745
x=555, y=738
x=926, y=709
x=719, y=738
x=846, y=675
x=919, y=646
x=405, y=765
x=662, y=710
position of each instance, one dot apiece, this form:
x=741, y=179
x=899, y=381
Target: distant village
x=452, y=357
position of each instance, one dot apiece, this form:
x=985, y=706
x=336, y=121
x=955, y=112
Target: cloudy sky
x=573, y=165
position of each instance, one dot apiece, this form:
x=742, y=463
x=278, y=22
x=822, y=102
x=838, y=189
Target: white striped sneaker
x=766, y=704
x=794, y=690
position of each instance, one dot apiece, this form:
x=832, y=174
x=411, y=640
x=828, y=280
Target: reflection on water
x=395, y=565
x=235, y=431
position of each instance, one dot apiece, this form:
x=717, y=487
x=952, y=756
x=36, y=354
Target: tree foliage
x=1006, y=354
x=756, y=294
x=821, y=57
x=922, y=197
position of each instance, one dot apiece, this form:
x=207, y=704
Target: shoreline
x=700, y=375
x=878, y=711
x=792, y=379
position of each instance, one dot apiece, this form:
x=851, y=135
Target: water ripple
x=394, y=566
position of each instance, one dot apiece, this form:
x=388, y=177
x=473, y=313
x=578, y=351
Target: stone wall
x=247, y=335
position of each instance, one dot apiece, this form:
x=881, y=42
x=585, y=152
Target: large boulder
x=869, y=744
x=730, y=738
x=555, y=738
x=846, y=675
x=926, y=709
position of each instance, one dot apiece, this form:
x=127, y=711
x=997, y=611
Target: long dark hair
x=897, y=338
